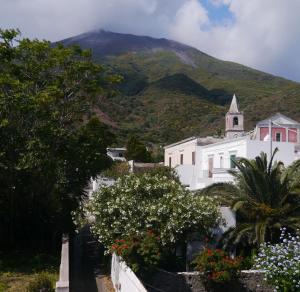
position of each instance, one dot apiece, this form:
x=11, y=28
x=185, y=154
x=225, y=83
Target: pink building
x=284, y=129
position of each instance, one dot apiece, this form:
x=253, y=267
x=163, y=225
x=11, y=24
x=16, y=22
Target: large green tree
x=266, y=197
x=50, y=144
x=137, y=151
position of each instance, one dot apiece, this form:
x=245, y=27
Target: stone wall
x=249, y=281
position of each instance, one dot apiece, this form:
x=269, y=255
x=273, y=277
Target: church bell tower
x=234, y=121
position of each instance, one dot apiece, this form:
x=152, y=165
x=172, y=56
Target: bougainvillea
x=281, y=262
x=135, y=204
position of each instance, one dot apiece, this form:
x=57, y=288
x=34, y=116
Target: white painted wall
x=286, y=152
x=229, y=218
x=224, y=149
x=197, y=176
x=63, y=283
x=123, y=278
x=186, y=174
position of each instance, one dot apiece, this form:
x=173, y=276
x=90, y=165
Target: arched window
x=235, y=121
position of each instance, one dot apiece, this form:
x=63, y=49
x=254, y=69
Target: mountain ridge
x=172, y=91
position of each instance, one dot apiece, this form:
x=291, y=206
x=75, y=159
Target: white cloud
x=57, y=19
x=264, y=34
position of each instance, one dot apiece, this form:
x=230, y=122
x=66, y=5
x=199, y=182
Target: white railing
x=62, y=285
x=123, y=278
x=222, y=179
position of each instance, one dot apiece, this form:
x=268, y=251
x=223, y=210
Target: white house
x=116, y=154
x=203, y=161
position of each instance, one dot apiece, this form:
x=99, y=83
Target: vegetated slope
x=172, y=91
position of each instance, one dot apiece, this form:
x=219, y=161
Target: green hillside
x=172, y=91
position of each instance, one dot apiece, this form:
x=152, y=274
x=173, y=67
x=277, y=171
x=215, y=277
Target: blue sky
x=262, y=34
x=218, y=14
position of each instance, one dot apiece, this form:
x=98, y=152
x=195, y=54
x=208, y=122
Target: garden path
x=87, y=267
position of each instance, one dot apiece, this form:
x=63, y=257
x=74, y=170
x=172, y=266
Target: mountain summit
x=106, y=43
x=172, y=91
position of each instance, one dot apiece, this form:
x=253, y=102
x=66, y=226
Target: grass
x=17, y=270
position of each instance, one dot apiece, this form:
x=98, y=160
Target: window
x=193, y=157
x=181, y=158
x=221, y=162
x=235, y=121
x=210, y=166
x=278, y=137
x=170, y=161
x=232, y=159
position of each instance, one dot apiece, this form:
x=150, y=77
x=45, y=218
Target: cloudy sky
x=263, y=34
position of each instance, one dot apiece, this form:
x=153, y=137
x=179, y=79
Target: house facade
x=200, y=162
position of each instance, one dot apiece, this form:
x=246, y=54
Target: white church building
x=203, y=161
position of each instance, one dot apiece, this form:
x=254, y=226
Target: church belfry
x=234, y=120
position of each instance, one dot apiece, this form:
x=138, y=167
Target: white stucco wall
x=186, y=174
x=226, y=148
x=62, y=285
x=197, y=176
x=123, y=278
x=286, y=152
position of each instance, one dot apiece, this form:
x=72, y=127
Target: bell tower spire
x=234, y=124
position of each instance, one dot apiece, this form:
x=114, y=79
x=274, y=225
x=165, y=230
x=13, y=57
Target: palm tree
x=265, y=196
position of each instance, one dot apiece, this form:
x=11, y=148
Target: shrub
x=117, y=170
x=138, y=203
x=216, y=267
x=160, y=170
x=3, y=287
x=43, y=282
x=140, y=253
x=281, y=262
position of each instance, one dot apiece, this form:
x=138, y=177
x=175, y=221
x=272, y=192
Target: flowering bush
x=216, y=266
x=138, y=203
x=281, y=262
x=139, y=253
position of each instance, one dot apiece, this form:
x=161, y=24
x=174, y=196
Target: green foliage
x=138, y=203
x=17, y=262
x=137, y=151
x=141, y=253
x=18, y=270
x=162, y=171
x=183, y=99
x=3, y=287
x=50, y=146
x=265, y=197
x=42, y=282
x=117, y=170
x=217, y=267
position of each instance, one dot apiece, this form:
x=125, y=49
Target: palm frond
x=265, y=197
